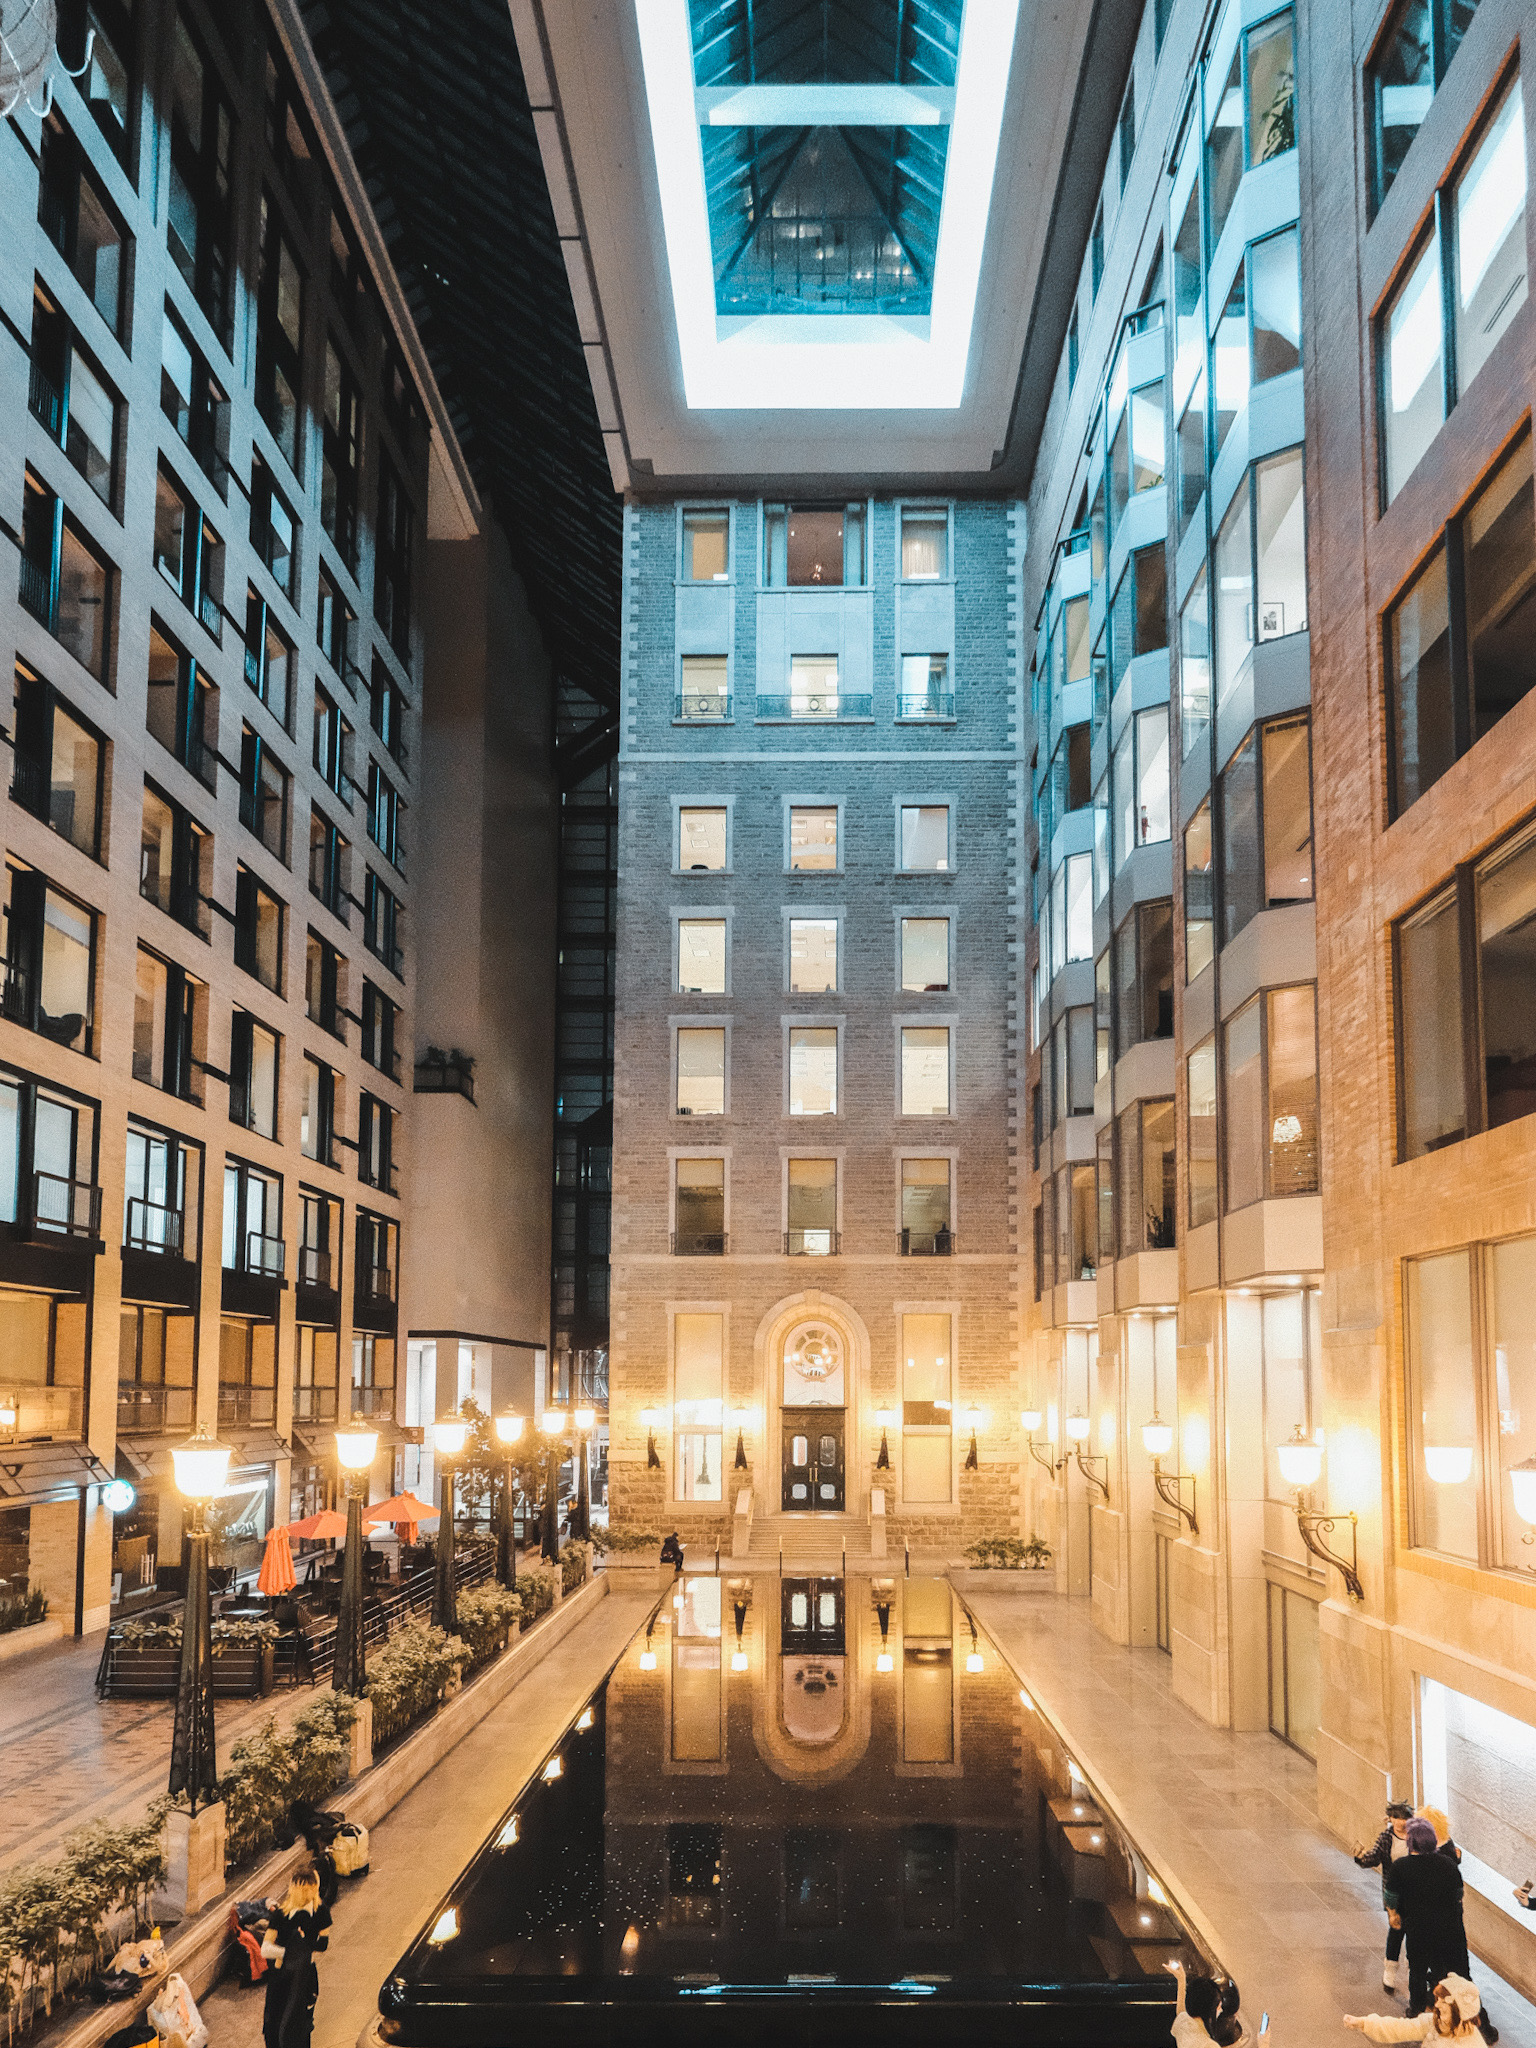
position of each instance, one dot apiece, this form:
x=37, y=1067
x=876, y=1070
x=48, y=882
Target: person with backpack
x=294, y=1932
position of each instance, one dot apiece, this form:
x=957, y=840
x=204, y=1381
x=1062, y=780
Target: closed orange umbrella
x=276, y=1574
x=405, y=1511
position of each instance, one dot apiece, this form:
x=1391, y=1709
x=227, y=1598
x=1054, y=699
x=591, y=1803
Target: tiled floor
x=1228, y=1822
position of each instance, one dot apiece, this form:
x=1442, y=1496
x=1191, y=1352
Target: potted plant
x=1005, y=1564
x=631, y=1558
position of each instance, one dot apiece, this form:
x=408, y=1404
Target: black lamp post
x=552, y=1424
x=201, y=1465
x=449, y=1437
x=509, y=1429
x=355, y=1449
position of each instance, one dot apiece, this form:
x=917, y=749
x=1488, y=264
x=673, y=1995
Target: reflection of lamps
x=739, y=1655
x=1157, y=1441
x=1448, y=1464
x=886, y=1417
x=1522, y=1481
x=649, y=1418
x=648, y=1655
x=201, y=1465
x=973, y=1660
x=355, y=1451
x=884, y=1661
x=972, y=1419
x=509, y=1431
x=449, y=1436
x=742, y=1417
x=1301, y=1463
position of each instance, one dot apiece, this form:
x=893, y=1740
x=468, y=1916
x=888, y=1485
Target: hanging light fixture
x=1448, y=1464
x=1079, y=1427
x=886, y=1417
x=29, y=49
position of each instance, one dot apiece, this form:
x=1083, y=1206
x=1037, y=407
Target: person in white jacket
x=1451, y=2017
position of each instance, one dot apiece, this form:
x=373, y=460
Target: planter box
x=16, y=1642
x=638, y=1578
x=970, y=1579
x=151, y=1671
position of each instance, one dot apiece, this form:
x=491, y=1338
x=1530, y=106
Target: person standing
x=297, y=1927
x=1388, y=1849
x=1452, y=2016
x=1428, y=1888
x=1461, y=1964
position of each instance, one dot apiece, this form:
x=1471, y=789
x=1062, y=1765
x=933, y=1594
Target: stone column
x=194, y=1861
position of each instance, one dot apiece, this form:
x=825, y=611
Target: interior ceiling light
x=839, y=359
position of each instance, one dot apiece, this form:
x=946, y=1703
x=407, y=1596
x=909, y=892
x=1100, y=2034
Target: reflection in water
x=819, y=1820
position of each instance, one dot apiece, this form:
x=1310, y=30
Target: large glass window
x=1271, y=1097
x=1142, y=816
x=706, y=547
x=1234, y=592
x=698, y=1394
x=1145, y=1156
x=1143, y=949
x=813, y=544
x=925, y=838
x=1224, y=144
x=1499, y=546
x=924, y=543
x=1199, y=893
x=1275, y=268
x=1511, y=1281
x=1442, y=1404
x=1195, y=665
x=701, y=956
x=1281, y=551
x=812, y=837
x=700, y=1071
x=701, y=839
x=813, y=1070
x=1409, y=62
x=927, y=1391
x=1419, y=684
x=925, y=1070
x=1200, y=1071
x=813, y=955
x=1488, y=209
x=1266, y=824
x=925, y=953
x=1189, y=456
x=811, y=1207
x=699, y=1207
x=925, y=1206
x=1433, y=1080
x=1412, y=373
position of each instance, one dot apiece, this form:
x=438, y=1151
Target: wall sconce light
x=739, y=1655
x=1448, y=1464
x=886, y=1417
x=1031, y=1418
x=649, y=1418
x=10, y=1408
x=1079, y=1427
x=1157, y=1441
x=972, y=1419
x=742, y=1417
x=1085, y=1460
x=884, y=1661
x=1301, y=1464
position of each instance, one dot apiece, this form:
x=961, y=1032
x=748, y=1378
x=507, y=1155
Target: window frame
x=679, y=804
x=812, y=913
x=949, y=1023
x=949, y=802
x=706, y=511
x=701, y=913
x=704, y=1022
x=809, y=1021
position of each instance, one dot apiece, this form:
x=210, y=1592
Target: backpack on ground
x=350, y=1849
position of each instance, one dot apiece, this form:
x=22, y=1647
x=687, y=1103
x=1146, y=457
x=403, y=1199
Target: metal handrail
x=314, y=1266
x=264, y=1256
x=700, y=1244
x=812, y=1244
x=925, y=1244
x=71, y=1207
x=700, y=707
x=152, y=1227
x=935, y=704
x=816, y=705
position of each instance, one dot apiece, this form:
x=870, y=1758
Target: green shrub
x=487, y=1616
x=268, y=1772
x=407, y=1676
x=537, y=1586
x=575, y=1566
x=55, y=1917
x=1008, y=1553
x=23, y=1610
x=165, y=1631
x=618, y=1540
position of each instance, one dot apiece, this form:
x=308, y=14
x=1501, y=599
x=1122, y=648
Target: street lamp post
x=355, y=1449
x=449, y=1437
x=552, y=1426
x=584, y=1419
x=201, y=1465
x=509, y=1429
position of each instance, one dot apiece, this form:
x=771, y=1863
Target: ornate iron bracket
x=1092, y=1477
x=1314, y=1526
x=1051, y=1465
x=1168, y=1485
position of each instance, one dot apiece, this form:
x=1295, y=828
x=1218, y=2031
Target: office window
x=1144, y=976
x=72, y=398
x=1141, y=785
x=330, y=866
x=381, y=921
x=812, y=955
x=924, y=690
x=1231, y=373
x=335, y=621
x=927, y=1409
x=1275, y=281
x=813, y=685
x=1442, y=1403
x=924, y=543
x=57, y=770
x=1199, y=893
x=264, y=785
x=279, y=336
x=268, y=656
x=168, y=1009
x=1103, y=1016
x=925, y=1070
x=1234, y=591
x=810, y=1207
x=386, y=808
x=253, y=1075
x=155, y=1205
x=258, y=930
x=252, y=1221
x=1475, y=258
x=1280, y=535
x=1265, y=795
x=700, y=1071
x=701, y=839
x=1459, y=648
x=1401, y=80
x=1189, y=456
x=706, y=690
x=273, y=530
x=194, y=401
x=49, y=966
x=325, y=986
x=74, y=212
x=1145, y=1161
x=925, y=838
x=925, y=1207
x=699, y=1207
x=1224, y=145
x=1200, y=1070
x=698, y=1391
x=925, y=953
x=1195, y=665
x=1466, y=1039
x=706, y=547
x=1271, y=1097
x=202, y=163
x=387, y=708
x=375, y=1143
x=812, y=1070
x=1139, y=610
x=320, y=1110
x=1071, y=1061
x=64, y=583
x=340, y=453
x=701, y=956
x=332, y=754
x=813, y=544
x=175, y=859
x=378, y=1031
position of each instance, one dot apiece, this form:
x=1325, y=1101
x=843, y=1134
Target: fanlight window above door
x=813, y=1368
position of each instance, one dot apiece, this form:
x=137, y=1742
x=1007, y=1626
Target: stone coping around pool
x=197, y=1949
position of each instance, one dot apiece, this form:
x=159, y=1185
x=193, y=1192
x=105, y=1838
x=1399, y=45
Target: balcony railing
x=589, y=1381
x=314, y=1404
x=36, y=590
x=45, y=401
x=16, y=992
x=379, y=1402
x=242, y=1406
x=71, y=1208
x=314, y=1267
x=148, y=1410
x=31, y=784
x=695, y=707
x=264, y=1255
x=927, y=1244
x=818, y=705
x=44, y=1411
x=151, y=1227
x=700, y=1244
x=812, y=1244
x=936, y=704
x=375, y=1283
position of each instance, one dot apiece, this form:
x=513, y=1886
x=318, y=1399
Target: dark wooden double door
x=814, y=1466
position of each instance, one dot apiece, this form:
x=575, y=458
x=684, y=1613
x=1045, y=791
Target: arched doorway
x=813, y=1394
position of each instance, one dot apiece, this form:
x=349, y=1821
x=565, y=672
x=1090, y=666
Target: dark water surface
x=799, y=1810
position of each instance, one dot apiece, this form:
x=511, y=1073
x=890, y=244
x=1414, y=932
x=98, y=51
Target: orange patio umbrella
x=325, y=1527
x=405, y=1511
x=276, y=1574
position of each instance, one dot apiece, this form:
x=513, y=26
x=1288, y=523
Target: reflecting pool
x=799, y=1810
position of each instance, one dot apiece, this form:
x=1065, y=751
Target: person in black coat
x=672, y=1552
x=1428, y=1888
x=297, y=1925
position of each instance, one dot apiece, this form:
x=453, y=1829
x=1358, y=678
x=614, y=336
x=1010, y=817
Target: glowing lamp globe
x=647, y=1660
x=1157, y=1437
x=738, y=1660
x=552, y=1422
x=886, y=1417
x=1301, y=1460
x=650, y=1418
x=973, y=1661
x=1079, y=1427
x=201, y=1465
x=356, y=1448
x=973, y=1419
x=117, y=1496
x=1031, y=1418
x=1448, y=1464
x=885, y=1661
x=1522, y=1480
x=584, y=1419
x=509, y=1428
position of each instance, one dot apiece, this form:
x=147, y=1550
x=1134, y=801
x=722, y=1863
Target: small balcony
x=314, y=1404
x=815, y=706
x=926, y=707
x=264, y=1256
x=927, y=1244
x=29, y=1412
x=314, y=1267
x=151, y=1227
x=812, y=1244
x=243, y=1407
x=375, y=1284
x=152, y=1411
x=699, y=707
x=700, y=1244
x=66, y=1208
x=378, y=1403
